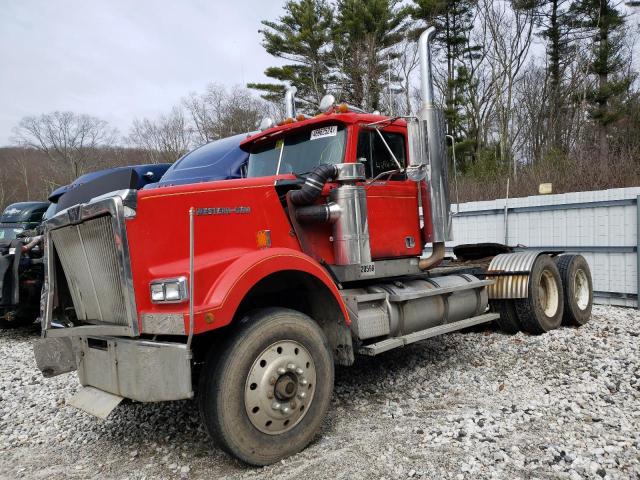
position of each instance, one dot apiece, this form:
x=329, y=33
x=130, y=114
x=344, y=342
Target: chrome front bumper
x=141, y=370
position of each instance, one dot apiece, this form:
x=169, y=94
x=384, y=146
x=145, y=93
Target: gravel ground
x=467, y=405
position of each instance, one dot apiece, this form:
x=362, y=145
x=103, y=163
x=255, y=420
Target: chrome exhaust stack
x=433, y=119
x=290, y=102
x=428, y=154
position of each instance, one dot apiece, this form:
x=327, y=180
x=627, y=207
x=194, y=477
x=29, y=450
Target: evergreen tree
x=605, y=24
x=453, y=20
x=557, y=30
x=302, y=36
x=365, y=31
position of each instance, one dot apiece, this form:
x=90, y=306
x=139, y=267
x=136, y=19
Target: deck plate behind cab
x=96, y=402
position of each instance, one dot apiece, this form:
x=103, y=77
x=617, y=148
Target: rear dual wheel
x=542, y=310
x=560, y=291
x=508, y=321
x=578, y=288
x=265, y=393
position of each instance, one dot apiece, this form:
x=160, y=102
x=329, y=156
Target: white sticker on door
x=331, y=131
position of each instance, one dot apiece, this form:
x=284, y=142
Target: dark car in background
x=21, y=265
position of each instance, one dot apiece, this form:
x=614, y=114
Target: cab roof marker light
x=266, y=123
x=327, y=103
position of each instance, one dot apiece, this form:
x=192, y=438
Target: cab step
x=396, y=342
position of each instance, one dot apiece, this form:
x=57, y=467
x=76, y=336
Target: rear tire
x=508, y=321
x=577, y=287
x=542, y=310
x=265, y=393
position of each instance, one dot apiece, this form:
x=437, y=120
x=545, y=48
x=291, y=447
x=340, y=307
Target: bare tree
x=164, y=139
x=68, y=139
x=508, y=40
x=217, y=113
x=3, y=189
x=20, y=162
x=402, y=68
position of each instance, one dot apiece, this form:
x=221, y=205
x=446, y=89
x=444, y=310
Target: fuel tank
x=403, y=307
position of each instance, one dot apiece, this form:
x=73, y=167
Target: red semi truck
x=248, y=291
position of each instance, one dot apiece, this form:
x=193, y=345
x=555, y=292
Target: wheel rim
x=548, y=294
x=280, y=387
x=581, y=289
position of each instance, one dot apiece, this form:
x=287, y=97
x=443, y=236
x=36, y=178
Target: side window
x=375, y=155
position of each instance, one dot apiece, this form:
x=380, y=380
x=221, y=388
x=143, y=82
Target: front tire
x=265, y=393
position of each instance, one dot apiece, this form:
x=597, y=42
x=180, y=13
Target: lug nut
x=301, y=395
x=286, y=410
x=299, y=371
x=273, y=380
x=275, y=406
x=281, y=371
x=270, y=395
x=303, y=381
x=293, y=404
x=291, y=367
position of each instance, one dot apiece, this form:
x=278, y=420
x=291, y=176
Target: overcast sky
x=121, y=59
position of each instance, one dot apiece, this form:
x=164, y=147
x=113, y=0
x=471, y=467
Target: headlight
x=157, y=292
x=170, y=290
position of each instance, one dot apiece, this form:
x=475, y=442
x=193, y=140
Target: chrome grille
x=91, y=265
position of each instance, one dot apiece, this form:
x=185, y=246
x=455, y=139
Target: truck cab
x=245, y=292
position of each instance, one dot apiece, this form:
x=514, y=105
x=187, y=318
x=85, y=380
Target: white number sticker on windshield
x=331, y=131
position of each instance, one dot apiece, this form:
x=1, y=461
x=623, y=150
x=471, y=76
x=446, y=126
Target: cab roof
x=348, y=118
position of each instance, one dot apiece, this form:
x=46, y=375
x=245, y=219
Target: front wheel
x=265, y=393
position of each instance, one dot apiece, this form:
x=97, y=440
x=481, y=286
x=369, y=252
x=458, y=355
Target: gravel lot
x=467, y=405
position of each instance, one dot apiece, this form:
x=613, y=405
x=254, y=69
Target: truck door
x=392, y=201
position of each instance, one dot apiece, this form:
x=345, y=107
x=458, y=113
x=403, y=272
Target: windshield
x=9, y=233
x=299, y=152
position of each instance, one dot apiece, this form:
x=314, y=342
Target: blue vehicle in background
x=218, y=160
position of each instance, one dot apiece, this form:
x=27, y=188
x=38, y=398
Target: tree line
x=532, y=90
x=529, y=88
x=53, y=149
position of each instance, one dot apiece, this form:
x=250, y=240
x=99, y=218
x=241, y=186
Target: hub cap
x=548, y=294
x=280, y=387
x=581, y=289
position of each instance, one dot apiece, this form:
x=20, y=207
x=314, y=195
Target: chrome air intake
x=346, y=210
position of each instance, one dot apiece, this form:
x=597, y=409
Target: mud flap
x=95, y=402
